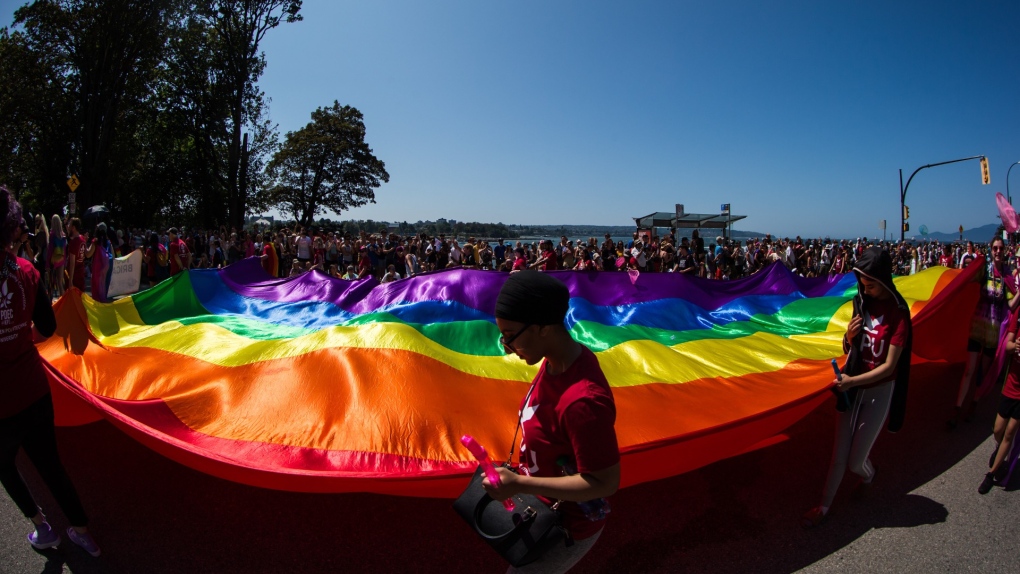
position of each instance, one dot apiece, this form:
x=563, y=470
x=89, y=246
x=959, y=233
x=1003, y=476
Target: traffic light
x=906, y=227
x=986, y=176
x=906, y=213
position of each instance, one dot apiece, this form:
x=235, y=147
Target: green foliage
x=238, y=28
x=149, y=102
x=431, y=228
x=326, y=165
x=87, y=63
x=38, y=118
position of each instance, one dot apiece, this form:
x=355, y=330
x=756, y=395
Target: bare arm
x=884, y=371
x=1014, y=301
x=575, y=487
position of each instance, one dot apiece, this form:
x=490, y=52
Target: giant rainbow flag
x=324, y=385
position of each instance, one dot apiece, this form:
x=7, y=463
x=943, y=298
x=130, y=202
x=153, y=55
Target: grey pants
x=856, y=431
x=559, y=559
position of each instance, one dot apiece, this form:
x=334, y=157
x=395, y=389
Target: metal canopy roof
x=687, y=221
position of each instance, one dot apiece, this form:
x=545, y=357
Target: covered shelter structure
x=687, y=221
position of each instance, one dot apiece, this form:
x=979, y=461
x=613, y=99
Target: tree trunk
x=234, y=200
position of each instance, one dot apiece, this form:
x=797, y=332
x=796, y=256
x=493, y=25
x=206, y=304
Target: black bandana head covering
x=876, y=263
x=534, y=298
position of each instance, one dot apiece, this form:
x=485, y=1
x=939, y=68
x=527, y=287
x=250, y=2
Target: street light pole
x=903, y=189
x=1008, y=197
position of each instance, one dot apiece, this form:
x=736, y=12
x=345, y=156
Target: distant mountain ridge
x=979, y=234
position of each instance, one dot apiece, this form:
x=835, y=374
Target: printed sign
x=127, y=274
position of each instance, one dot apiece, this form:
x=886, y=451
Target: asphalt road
x=152, y=515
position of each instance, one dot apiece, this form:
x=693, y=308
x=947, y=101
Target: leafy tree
x=239, y=27
x=153, y=103
x=102, y=51
x=326, y=165
x=38, y=120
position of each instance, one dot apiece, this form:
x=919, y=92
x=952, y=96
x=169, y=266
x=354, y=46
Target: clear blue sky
x=797, y=113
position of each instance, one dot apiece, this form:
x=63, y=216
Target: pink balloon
x=1006, y=213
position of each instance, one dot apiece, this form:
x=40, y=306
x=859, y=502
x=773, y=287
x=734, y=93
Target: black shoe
x=970, y=412
x=986, y=484
x=863, y=490
x=953, y=422
x=1002, y=472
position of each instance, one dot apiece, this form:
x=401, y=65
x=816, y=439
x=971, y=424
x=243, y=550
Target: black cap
x=533, y=297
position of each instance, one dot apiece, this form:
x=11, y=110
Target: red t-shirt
x=76, y=248
x=150, y=266
x=179, y=248
x=153, y=255
x=570, y=417
x=271, y=262
x=1012, y=387
x=364, y=266
x=24, y=380
x=550, y=261
x=884, y=325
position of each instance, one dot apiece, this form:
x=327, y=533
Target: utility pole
x=903, y=189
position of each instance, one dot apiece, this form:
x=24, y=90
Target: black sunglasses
x=508, y=343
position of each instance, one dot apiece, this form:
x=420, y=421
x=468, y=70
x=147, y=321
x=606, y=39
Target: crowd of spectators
x=388, y=256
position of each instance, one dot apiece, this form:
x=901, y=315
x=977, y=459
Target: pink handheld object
x=1006, y=213
x=478, y=451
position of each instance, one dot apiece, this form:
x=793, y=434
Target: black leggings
x=32, y=429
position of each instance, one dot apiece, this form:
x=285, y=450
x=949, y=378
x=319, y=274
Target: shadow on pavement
x=742, y=514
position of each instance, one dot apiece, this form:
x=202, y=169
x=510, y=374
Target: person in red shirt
x=878, y=340
x=76, y=249
x=189, y=242
x=569, y=451
x=838, y=262
x=547, y=259
x=946, y=260
x=270, y=260
x=364, y=264
x=520, y=261
x=157, y=261
x=26, y=408
x=1007, y=419
x=180, y=255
